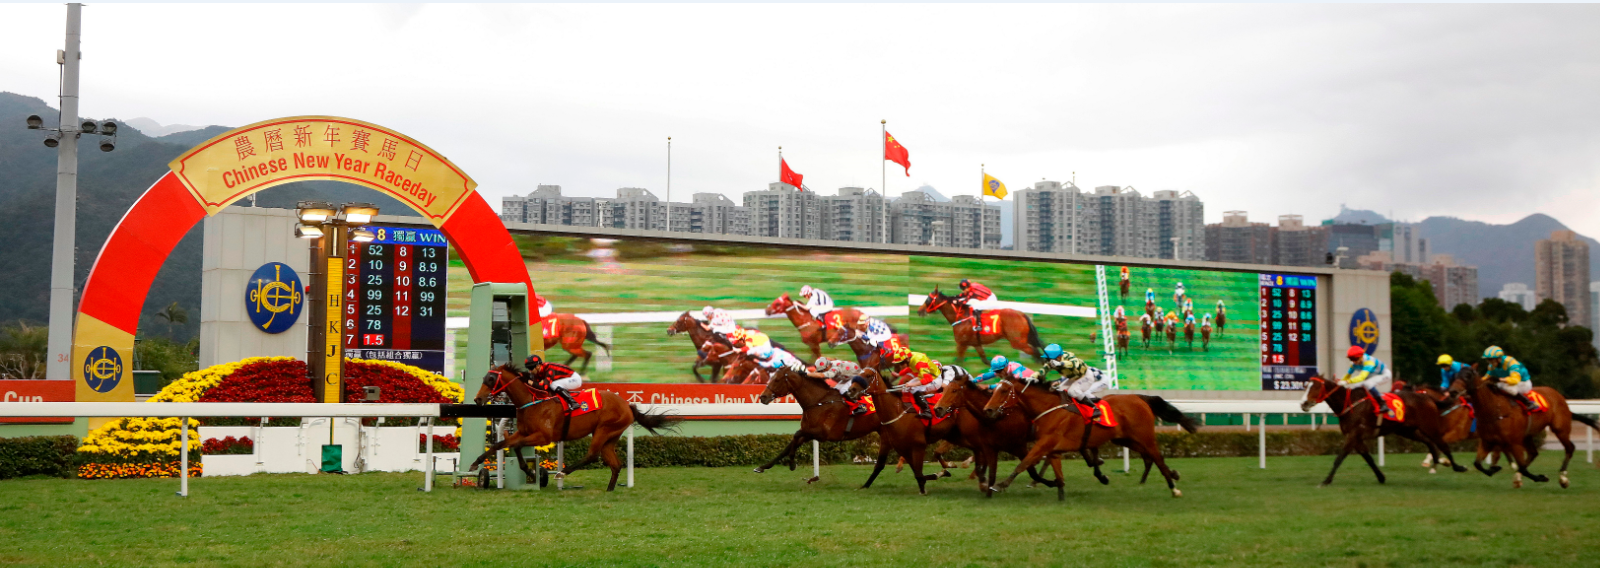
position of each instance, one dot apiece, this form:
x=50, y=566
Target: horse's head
x=1465, y=380
x=684, y=323
x=781, y=385
x=780, y=305
x=1318, y=389
x=957, y=381
x=1004, y=394
x=934, y=301
x=496, y=382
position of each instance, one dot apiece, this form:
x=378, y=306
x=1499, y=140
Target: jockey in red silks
x=554, y=378
x=976, y=297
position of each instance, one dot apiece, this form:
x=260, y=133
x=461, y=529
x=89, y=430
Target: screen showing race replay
x=1288, y=331
x=614, y=301
x=394, y=293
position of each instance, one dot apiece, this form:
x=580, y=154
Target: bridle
x=500, y=384
x=1327, y=389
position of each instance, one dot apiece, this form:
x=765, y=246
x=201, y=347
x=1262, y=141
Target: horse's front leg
x=799, y=438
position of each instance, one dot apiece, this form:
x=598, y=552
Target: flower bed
x=228, y=446
x=149, y=447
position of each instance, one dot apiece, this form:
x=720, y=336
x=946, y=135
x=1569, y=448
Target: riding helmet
x=822, y=364
x=533, y=361
x=965, y=283
x=805, y=291
x=1493, y=352
x=1445, y=360
x=1355, y=352
x=1052, y=351
x=998, y=362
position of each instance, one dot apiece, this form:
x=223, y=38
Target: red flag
x=788, y=176
x=894, y=152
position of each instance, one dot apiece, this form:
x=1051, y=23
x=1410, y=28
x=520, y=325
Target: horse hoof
x=1539, y=478
x=759, y=470
x=814, y=480
x=1432, y=471
x=996, y=489
x=1383, y=480
x=944, y=473
x=1458, y=468
x=1323, y=484
x=1564, y=481
x=1176, y=492
x=1103, y=479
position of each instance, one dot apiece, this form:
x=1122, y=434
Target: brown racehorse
x=1123, y=284
x=812, y=332
x=986, y=436
x=826, y=417
x=1457, y=416
x=541, y=420
x=1016, y=327
x=1222, y=319
x=856, y=339
x=1205, y=336
x=699, y=336
x=1504, y=425
x=1146, y=325
x=1358, y=422
x=737, y=369
x=1058, y=428
x=570, y=331
x=1172, y=335
x=1188, y=333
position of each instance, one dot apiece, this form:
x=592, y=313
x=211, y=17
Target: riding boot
x=977, y=321
x=1093, y=403
x=567, y=397
x=1377, y=401
x=1527, y=402
x=922, y=406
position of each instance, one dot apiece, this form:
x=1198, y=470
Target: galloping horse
x=1205, y=336
x=1124, y=283
x=986, y=436
x=540, y=424
x=1016, y=327
x=856, y=338
x=1055, y=433
x=1222, y=319
x=1504, y=425
x=1172, y=335
x=1358, y=422
x=812, y=332
x=1457, y=419
x=1146, y=326
x=826, y=417
x=737, y=369
x=699, y=336
x=1188, y=333
x=570, y=331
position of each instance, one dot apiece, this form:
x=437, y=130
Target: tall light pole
x=328, y=230
x=64, y=247
x=669, y=184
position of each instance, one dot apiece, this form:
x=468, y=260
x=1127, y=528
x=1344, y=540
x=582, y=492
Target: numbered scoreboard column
x=394, y=291
x=1288, y=330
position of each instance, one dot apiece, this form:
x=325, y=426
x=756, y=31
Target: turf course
x=1231, y=514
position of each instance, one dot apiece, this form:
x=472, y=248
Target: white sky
x=1476, y=111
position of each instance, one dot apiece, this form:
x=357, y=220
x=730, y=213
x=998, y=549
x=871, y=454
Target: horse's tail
x=1166, y=411
x=1587, y=421
x=654, y=422
x=589, y=335
x=1033, y=336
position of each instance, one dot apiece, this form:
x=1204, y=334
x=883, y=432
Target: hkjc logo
x=274, y=297
x=102, y=369
x=1364, y=329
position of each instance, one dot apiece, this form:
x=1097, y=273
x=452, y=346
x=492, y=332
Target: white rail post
x=1591, y=444
x=631, y=428
x=1263, y=437
x=816, y=458
x=1247, y=422
x=427, y=475
x=1127, y=465
x=183, y=457
x=499, y=455
x=1380, y=451
x=561, y=464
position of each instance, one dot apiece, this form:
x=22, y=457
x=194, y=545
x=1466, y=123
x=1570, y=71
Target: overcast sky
x=1476, y=111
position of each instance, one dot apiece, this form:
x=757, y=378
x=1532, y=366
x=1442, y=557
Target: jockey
x=1178, y=295
x=818, y=302
x=976, y=297
x=878, y=332
x=1125, y=273
x=704, y=316
x=722, y=322
x=1172, y=319
x=1221, y=308
x=1078, y=380
x=916, y=371
x=887, y=349
x=557, y=379
x=1205, y=321
x=1448, y=369
x=1370, y=374
x=774, y=358
x=545, y=307
x=1149, y=295
x=1000, y=368
x=1511, y=377
x=1119, y=313
x=837, y=373
x=753, y=339
x=1188, y=318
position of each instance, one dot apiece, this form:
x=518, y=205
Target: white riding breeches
x=1089, y=385
x=568, y=384
x=1523, y=387
x=546, y=309
x=990, y=304
x=843, y=386
x=934, y=386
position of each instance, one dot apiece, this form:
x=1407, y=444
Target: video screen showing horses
x=1171, y=328
x=648, y=311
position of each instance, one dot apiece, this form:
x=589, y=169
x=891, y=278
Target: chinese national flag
x=894, y=152
x=788, y=176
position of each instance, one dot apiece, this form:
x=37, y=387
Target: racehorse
x=826, y=417
x=699, y=336
x=570, y=331
x=812, y=332
x=1205, y=336
x=737, y=368
x=856, y=338
x=1123, y=283
x=1458, y=418
x=1222, y=318
x=1016, y=327
x=986, y=436
x=1504, y=425
x=1188, y=333
x=539, y=423
x=1146, y=325
x=1359, y=422
x=1172, y=335
x=1055, y=433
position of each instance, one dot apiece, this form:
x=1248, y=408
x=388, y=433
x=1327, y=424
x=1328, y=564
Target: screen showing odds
x=394, y=293
x=1288, y=330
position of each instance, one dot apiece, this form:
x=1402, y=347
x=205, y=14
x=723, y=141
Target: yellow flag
x=993, y=188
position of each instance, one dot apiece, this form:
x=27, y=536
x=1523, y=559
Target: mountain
x=1348, y=216
x=108, y=184
x=1502, y=253
x=154, y=129
x=934, y=193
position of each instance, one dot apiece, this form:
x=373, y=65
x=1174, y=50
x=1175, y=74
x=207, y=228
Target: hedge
x=37, y=455
x=752, y=450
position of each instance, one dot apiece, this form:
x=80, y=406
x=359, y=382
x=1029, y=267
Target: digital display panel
x=394, y=294
x=1288, y=331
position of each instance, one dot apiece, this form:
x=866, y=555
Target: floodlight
x=314, y=211
x=308, y=231
x=34, y=122
x=52, y=141
x=362, y=235
x=88, y=127
x=108, y=128
x=356, y=214
x=107, y=146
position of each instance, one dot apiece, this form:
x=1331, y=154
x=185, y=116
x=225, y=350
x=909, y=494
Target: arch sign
x=246, y=160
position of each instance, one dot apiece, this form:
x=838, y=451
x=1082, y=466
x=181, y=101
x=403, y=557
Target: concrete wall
x=1348, y=291
x=237, y=241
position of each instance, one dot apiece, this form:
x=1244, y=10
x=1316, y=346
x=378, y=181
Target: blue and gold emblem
x=274, y=297
x=1364, y=329
x=102, y=369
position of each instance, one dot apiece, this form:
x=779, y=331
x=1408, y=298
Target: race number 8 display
x=394, y=292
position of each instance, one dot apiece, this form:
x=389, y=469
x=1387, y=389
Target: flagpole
x=981, y=187
x=883, y=177
x=669, y=184
x=780, y=194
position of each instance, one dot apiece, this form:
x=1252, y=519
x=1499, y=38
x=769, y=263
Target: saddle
x=587, y=400
x=1106, y=418
x=932, y=400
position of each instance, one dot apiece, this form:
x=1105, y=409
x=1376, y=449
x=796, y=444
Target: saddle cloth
x=1396, y=404
x=552, y=328
x=991, y=322
x=1538, y=399
x=866, y=401
x=933, y=400
x=588, y=400
x=1106, y=418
